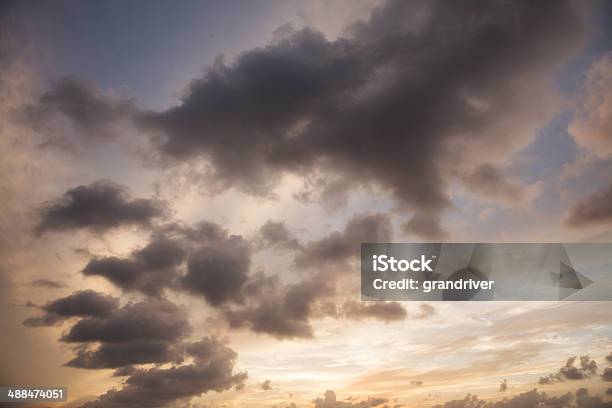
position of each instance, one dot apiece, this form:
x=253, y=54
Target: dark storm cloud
x=277, y=235
x=337, y=247
x=148, y=270
x=218, y=270
x=86, y=303
x=330, y=400
x=150, y=320
x=157, y=387
x=369, y=108
x=586, y=369
x=594, y=210
x=113, y=355
x=387, y=311
x=99, y=206
x=92, y=111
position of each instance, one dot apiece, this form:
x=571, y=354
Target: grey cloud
x=112, y=337
x=139, y=351
x=148, y=270
x=337, y=247
x=491, y=182
x=385, y=311
x=607, y=374
x=285, y=311
x=330, y=400
x=157, y=387
x=609, y=358
x=48, y=283
x=281, y=311
x=99, y=206
x=331, y=192
x=570, y=371
x=276, y=234
x=368, y=108
x=503, y=387
x=86, y=303
x=92, y=111
x=124, y=371
x=266, y=385
x=584, y=400
x=580, y=399
x=594, y=210
x=218, y=270
x=201, y=233
x=158, y=320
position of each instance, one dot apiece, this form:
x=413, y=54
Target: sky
x=185, y=187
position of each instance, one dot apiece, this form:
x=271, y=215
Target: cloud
x=85, y=303
x=362, y=110
x=570, y=371
x=147, y=320
x=592, y=125
x=503, y=387
x=147, y=270
x=425, y=311
x=218, y=270
x=533, y=398
x=93, y=112
x=607, y=374
x=124, y=354
x=157, y=387
x=384, y=311
x=276, y=235
x=112, y=337
x=594, y=210
x=124, y=371
x=282, y=311
x=367, y=109
x=48, y=283
x=329, y=400
x=490, y=182
x=590, y=128
x=99, y=206
x=266, y=385
x=338, y=247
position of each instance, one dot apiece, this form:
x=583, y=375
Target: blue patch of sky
x=553, y=147
x=146, y=48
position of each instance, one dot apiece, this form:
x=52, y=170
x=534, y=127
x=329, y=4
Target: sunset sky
x=185, y=186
